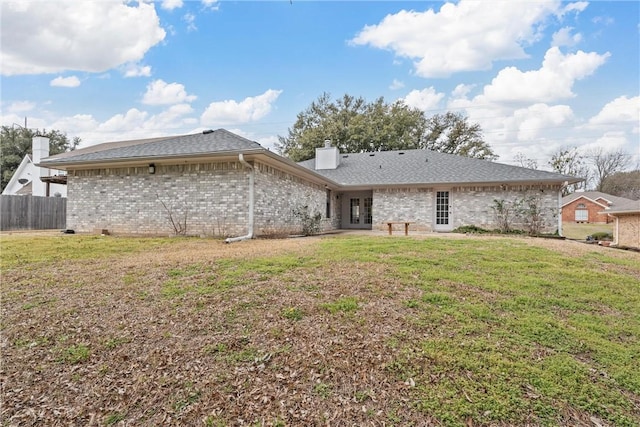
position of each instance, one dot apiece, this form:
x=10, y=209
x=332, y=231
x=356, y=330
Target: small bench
x=406, y=226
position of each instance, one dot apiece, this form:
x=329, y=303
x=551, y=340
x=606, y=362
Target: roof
x=630, y=207
x=205, y=143
x=385, y=168
x=593, y=196
x=428, y=167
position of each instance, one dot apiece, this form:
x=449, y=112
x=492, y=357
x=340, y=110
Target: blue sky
x=538, y=76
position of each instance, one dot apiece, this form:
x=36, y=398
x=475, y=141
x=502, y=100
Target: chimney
x=40, y=150
x=327, y=157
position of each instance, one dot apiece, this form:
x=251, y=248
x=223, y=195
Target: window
x=328, y=213
x=355, y=211
x=582, y=214
x=368, y=205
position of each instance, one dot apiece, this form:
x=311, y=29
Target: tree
x=15, y=143
x=623, y=184
x=452, y=133
x=526, y=162
x=607, y=163
x=569, y=161
x=356, y=126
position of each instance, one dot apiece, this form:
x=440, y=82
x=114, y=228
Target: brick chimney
x=40, y=150
x=327, y=157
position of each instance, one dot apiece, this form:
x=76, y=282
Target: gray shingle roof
x=594, y=195
x=427, y=167
x=216, y=142
x=632, y=206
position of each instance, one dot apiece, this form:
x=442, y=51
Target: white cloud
x=460, y=37
x=621, y=110
x=396, y=84
x=553, y=81
x=230, y=112
x=20, y=106
x=136, y=70
x=211, y=4
x=190, y=19
x=425, y=99
x=171, y=4
x=71, y=35
x=536, y=119
x=161, y=93
x=563, y=37
x=71, y=81
x=578, y=6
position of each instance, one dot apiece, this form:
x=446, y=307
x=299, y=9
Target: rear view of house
x=218, y=183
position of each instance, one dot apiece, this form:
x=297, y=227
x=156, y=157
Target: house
x=219, y=183
x=589, y=207
x=32, y=180
x=626, y=230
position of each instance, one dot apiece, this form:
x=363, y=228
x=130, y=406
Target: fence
x=32, y=213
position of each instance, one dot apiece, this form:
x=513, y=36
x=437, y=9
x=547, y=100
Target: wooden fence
x=32, y=213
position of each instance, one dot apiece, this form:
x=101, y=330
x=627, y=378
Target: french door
x=357, y=210
x=442, y=217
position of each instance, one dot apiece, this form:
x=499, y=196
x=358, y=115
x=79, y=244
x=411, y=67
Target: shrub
x=602, y=235
x=474, y=229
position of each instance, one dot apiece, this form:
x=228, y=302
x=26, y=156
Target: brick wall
x=593, y=209
x=470, y=205
x=628, y=230
x=213, y=196
x=128, y=200
x=279, y=194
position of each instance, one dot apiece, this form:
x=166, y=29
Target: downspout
x=252, y=172
x=564, y=184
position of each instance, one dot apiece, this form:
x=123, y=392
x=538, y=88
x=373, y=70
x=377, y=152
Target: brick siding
x=593, y=209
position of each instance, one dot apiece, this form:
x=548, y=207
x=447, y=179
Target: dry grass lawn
x=338, y=331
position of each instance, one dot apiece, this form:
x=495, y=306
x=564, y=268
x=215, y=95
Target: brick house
x=223, y=184
x=589, y=207
x=626, y=230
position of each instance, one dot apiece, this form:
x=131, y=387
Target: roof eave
x=144, y=160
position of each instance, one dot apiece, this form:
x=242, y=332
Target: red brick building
x=590, y=207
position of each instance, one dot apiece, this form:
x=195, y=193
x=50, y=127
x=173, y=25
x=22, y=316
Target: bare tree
x=568, y=161
x=526, y=162
x=606, y=163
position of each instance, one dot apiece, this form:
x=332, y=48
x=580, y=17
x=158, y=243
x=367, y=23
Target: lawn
x=572, y=230
x=341, y=330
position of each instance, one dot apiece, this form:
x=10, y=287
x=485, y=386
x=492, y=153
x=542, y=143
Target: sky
x=538, y=76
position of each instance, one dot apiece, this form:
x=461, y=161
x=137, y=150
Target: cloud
x=71, y=81
x=71, y=35
x=171, y=4
x=190, y=19
x=232, y=112
x=396, y=84
x=161, y=93
x=553, y=81
x=460, y=37
x=211, y=4
x=620, y=110
x=20, y=106
x=425, y=99
x=136, y=70
x=563, y=37
x=534, y=120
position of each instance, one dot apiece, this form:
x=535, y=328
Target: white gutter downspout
x=249, y=234
x=564, y=184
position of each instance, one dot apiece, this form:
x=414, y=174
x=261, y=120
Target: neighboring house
x=219, y=183
x=626, y=230
x=31, y=180
x=589, y=207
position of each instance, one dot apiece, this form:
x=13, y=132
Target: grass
x=581, y=231
x=396, y=331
